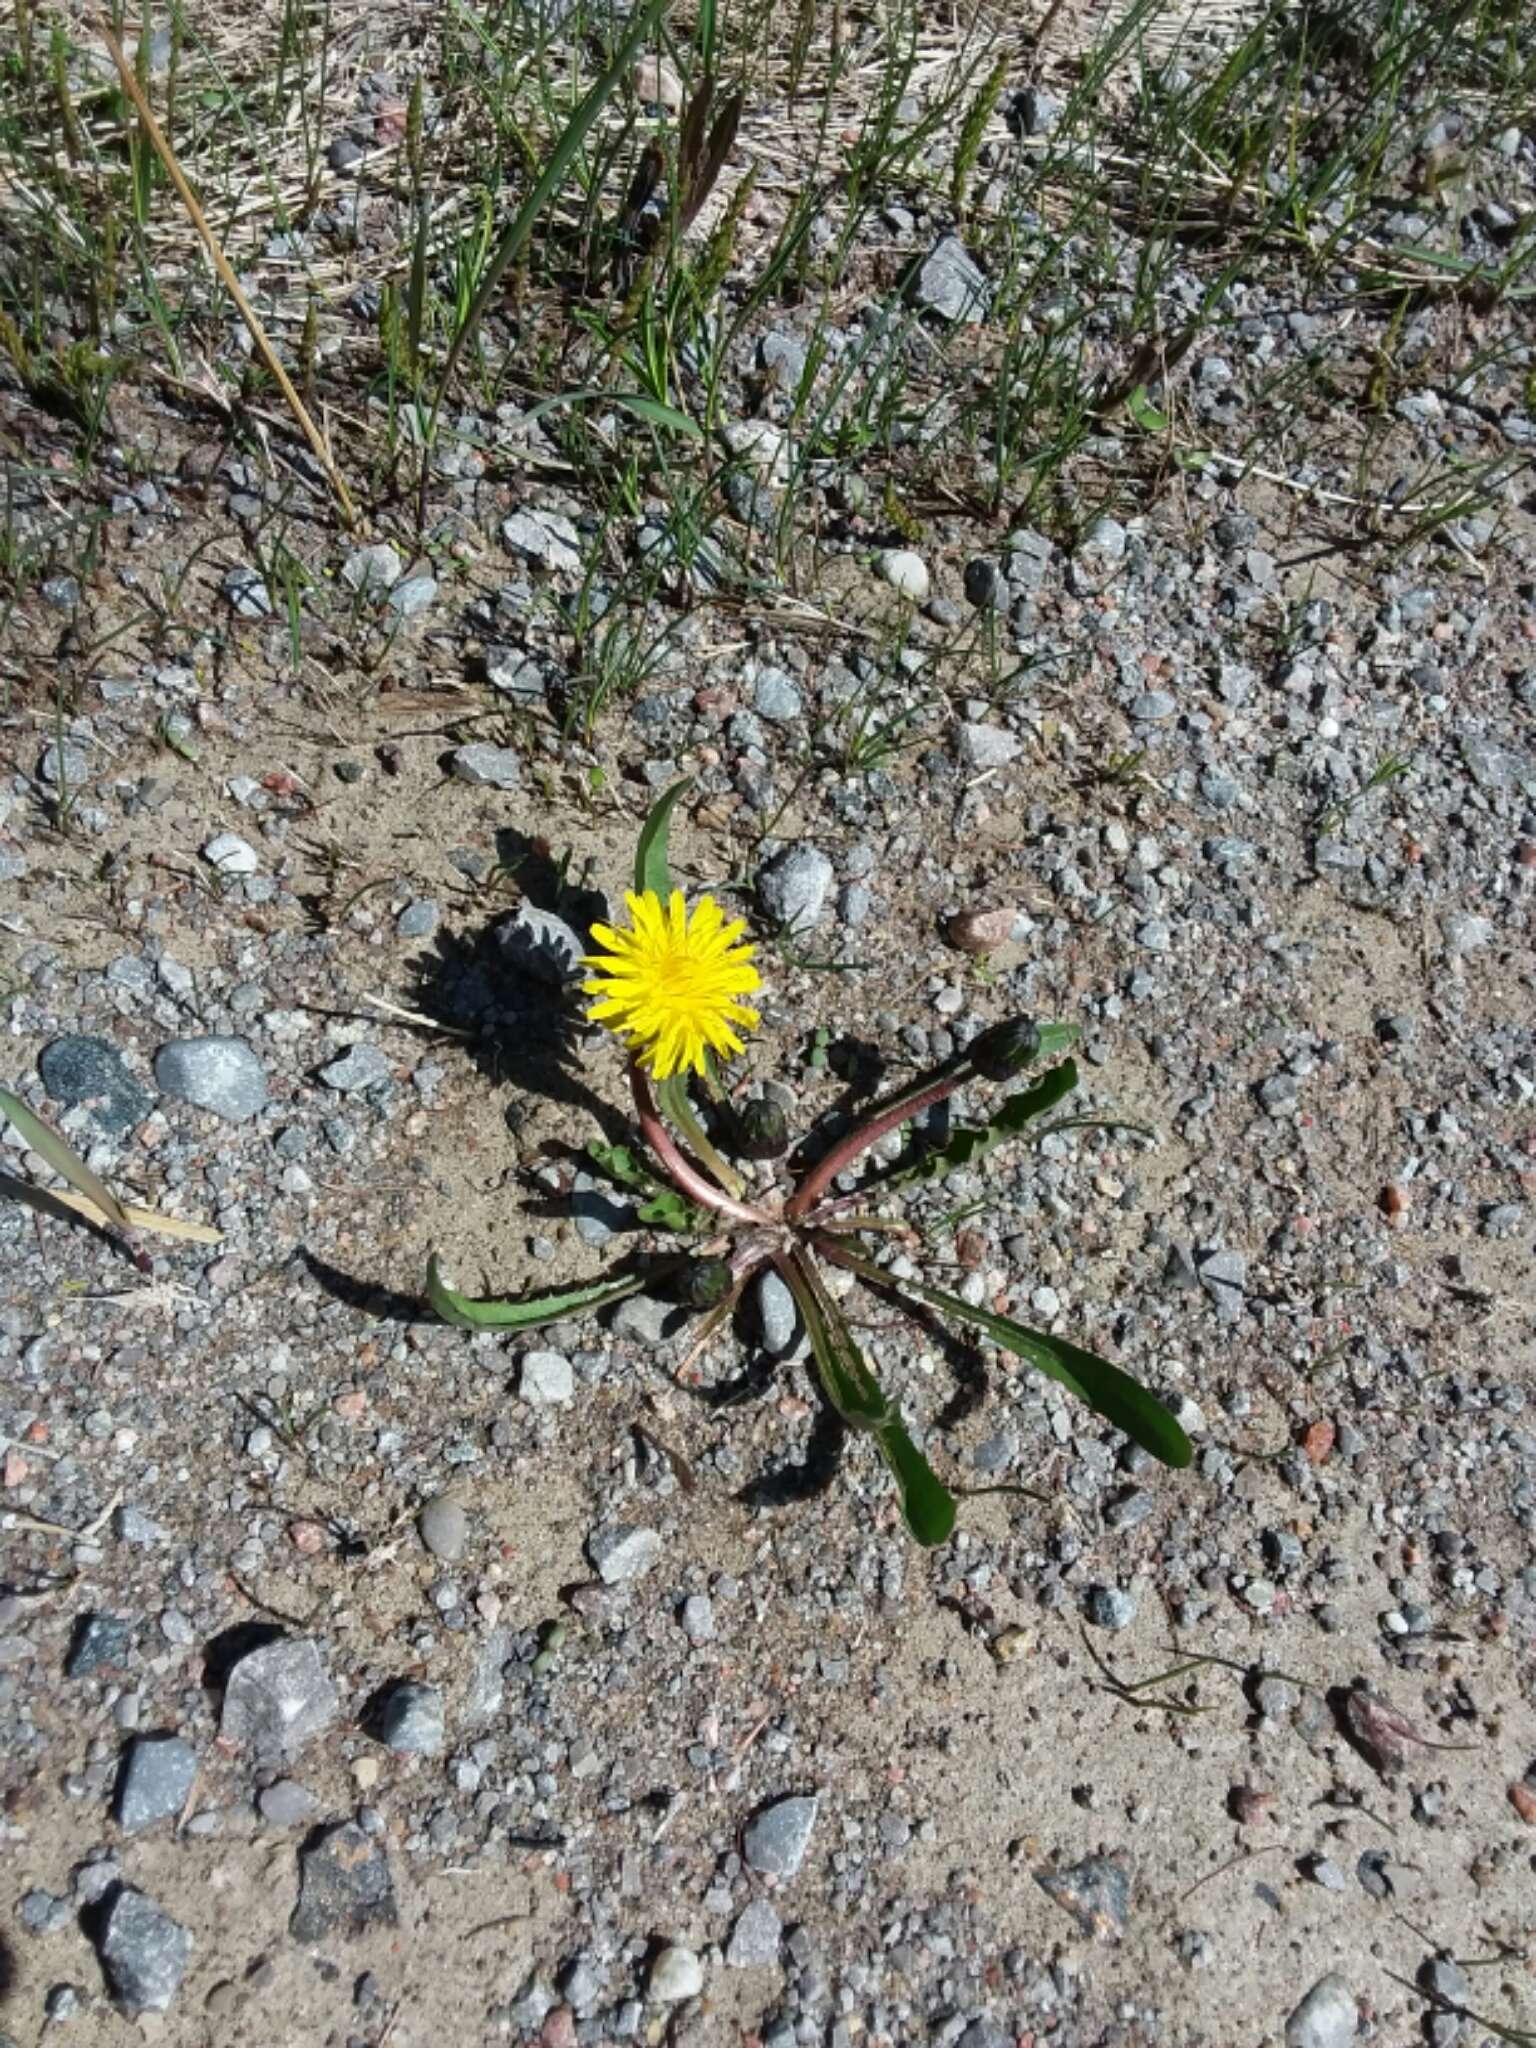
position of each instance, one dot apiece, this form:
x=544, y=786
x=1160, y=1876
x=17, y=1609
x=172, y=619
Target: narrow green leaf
x=1104, y=1387
x=651, y=868
x=972, y=1142
x=465, y=1314
x=64, y=1160
x=927, y=1506
x=642, y=24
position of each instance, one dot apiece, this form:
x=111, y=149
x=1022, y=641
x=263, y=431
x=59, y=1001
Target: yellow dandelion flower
x=670, y=985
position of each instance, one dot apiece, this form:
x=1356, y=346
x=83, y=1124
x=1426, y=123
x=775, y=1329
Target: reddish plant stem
x=683, y=1172
x=862, y=1136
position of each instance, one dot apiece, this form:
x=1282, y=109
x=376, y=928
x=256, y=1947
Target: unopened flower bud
x=762, y=1129
x=705, y=1282
x=1003, y=1050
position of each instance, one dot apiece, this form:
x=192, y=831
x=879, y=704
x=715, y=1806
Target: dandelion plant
x=671, y=985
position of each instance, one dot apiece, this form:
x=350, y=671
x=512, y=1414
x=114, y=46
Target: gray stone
x=154, y=1781
x=246, y=594
x=63, y=2002
x=777, y=1316
x=1151, y=707
x=278, y=1698
x=985, y=2033
x=949, y=283
x=697, y=1616
x=372, y=572
x=418, y=920
x=1110, y=1607
x=444, y=1528
x=983, y=584
x=906, y=573
x=645, y=1321
x=1096, y=1892
x=486, y=767
x=783, y=356
x=545, y=537
x=1445, y=1977
x=776, y=698
x=414, y=595
x=622, y=1551
x=1464, y=933
x=1223, y=1273
x=487, y=1686
x=411, y=1720
x=542, y=945
x=597, y=1213
x=755, y=1938
x=344, y=1881
x=144, y=1952
x=285, y=1804
x=1036, y=111
x=1279, y=1095
x=43, y=1912
x=986, y=746
x=231, y=855
x=89, y=1073
x=1326, y=2018
x=676, y=1974
x=546, y=1379
x=218, y=1074
x=516, y=675
x=794, y=886
x=360, y=1067
x=776, y=1838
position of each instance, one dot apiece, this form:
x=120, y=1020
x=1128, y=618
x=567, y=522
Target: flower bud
x=705, y=1282
x=762, y=1130
x=1003, y=1050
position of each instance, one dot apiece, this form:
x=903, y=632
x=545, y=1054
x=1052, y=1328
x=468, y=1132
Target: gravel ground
x=362, y=1678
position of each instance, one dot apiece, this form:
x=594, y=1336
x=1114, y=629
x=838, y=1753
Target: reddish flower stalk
x=870, y=1132
x=687, y=1176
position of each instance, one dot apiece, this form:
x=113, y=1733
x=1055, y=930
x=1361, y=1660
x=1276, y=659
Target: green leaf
x=1056, y=1039
x=927, y=1505
x=643, y=407
x=972, y=1142
x=618, y=1162
x=65, y=1161
x=465, y=1314
x=671, y=1211
x=663, y=1205
x=651, y=869
x=1146, y=415
x=1106, y=1389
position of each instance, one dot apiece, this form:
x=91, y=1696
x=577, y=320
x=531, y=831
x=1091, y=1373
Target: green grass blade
x=651, y=867
x=64, y=1160
x=465, y=1314
x=561, y=157
x=972, y=1142
x=1104, y=1387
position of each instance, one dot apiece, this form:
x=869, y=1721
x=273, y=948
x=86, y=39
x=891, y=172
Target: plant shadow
x=510, y=991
